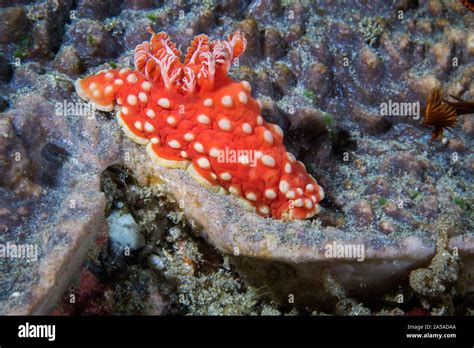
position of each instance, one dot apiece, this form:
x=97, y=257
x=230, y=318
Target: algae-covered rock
x=322, y=71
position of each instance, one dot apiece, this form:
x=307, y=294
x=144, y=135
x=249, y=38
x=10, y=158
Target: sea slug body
x=191, y=115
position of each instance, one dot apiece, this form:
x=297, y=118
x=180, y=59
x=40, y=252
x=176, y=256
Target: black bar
x=242, y=330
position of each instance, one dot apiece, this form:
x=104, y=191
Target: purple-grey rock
x=99, y=9
x=13, y=24
x=68, y=61
x=273, y=45
x=363, y=213
x=93, y=43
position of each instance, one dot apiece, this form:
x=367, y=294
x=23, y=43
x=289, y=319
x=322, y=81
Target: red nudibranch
x=191, y=115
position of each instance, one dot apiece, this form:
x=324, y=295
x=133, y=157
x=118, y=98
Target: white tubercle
x=298, y=203
x=284, y=186
x=270, y=194
x=146, y=86
x=132, y=78
x=171, y=120
x=251, y=196
x=143, y=97
x=204, y=163
x=174, y=144
x=188, y=136
x=149, y=127
x=246, y=128
x=226, y=176
x=108, y=89
x=224, y=124
x=132, y=99
x=138, y=125
x=213, y=152
x=268, y=136
x=150, y=113
x=198, y=147
x=268, y=160
x=246, y=86
x=243, y=99
x=164, y=103
x=203, y=119
x=227, y=101
x=123, y=71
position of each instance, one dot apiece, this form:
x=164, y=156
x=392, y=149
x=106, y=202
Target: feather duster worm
x=438, y=114
x=443, y=114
